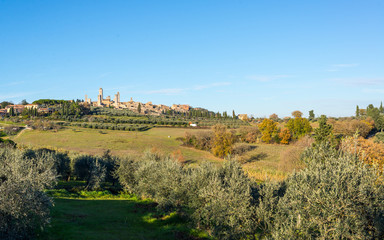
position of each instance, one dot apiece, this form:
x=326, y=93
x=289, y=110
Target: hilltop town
x=146, y=108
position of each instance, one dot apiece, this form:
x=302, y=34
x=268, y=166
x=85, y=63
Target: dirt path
x=21, y=132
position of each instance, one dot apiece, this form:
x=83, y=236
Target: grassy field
x=129, y=218
x=265, y=162
x=265, y=158
x=93, y=141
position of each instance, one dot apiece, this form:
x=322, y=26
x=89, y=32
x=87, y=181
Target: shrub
x=370, y=152
x=379, y=137
x=350, y=127
x=249, y=134
x=222, y=201
x=336, y=197
x=242, y=148
x=91, y=169
x=219, y=199
x=24, y=207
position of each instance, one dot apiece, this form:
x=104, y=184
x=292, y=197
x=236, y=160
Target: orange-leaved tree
x=285, y=136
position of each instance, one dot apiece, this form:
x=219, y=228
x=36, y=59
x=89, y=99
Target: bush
x=91, y=169
x=221, y=200
x=24, y=207
x=201, y=140
x=242, y=148
x=370, y=152
x=336, y=197
x=218, y=199
x=350, y=127
x=249, y=134
x=379, y=137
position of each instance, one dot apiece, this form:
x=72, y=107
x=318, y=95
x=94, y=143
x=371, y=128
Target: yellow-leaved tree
x=268, y=129
x=222, y=141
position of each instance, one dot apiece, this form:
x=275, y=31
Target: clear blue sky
x=257, y=57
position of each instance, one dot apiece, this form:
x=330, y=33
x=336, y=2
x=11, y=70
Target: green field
x=130, y=218
x=265, y=163
x=93, y=141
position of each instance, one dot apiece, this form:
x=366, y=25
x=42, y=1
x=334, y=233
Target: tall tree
x=381, y=108
x=24, y=102
x=274, y=117
x=297, y=114
x=139, y=108
x=357, y=111
x=311, y=115
x=5, y=103
x=233, y=114
x=324, y=131
x=222, y=141
x=268, y=130
x=298, y=126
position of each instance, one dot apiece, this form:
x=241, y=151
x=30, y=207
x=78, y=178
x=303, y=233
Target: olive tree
x=337, y=196
x=24, y=207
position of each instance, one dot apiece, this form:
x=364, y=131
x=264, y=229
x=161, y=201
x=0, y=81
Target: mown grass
x=101, y=215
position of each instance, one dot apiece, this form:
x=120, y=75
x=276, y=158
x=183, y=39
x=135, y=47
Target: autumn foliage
x=222, y=141
x=370, y=152
x=285, y=136
x=350, y=127
x=268, y=130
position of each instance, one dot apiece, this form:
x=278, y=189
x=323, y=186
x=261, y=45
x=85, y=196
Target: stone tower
x=100, y=97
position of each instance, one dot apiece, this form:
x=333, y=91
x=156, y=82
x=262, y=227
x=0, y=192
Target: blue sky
x=257, y=57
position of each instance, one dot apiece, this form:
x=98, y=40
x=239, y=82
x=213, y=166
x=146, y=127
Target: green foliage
x=357, y=111
x=62, y=162
x=324, y=131
x=299, y=127
x=24, y=207
x=201, y=140
x=49, y=102
x=379, y=137
x=223, y=205
x=336, y=197
x=12, y=129
x=218, y=199
x=91, y=169
x=5, y=103
x=376, y=115
x=24, y=102
x=311, y=115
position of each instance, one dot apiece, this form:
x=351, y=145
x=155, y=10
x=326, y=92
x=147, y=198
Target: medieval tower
x=100, y=97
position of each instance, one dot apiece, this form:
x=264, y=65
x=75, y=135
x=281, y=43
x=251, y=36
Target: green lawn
x=89, y=218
